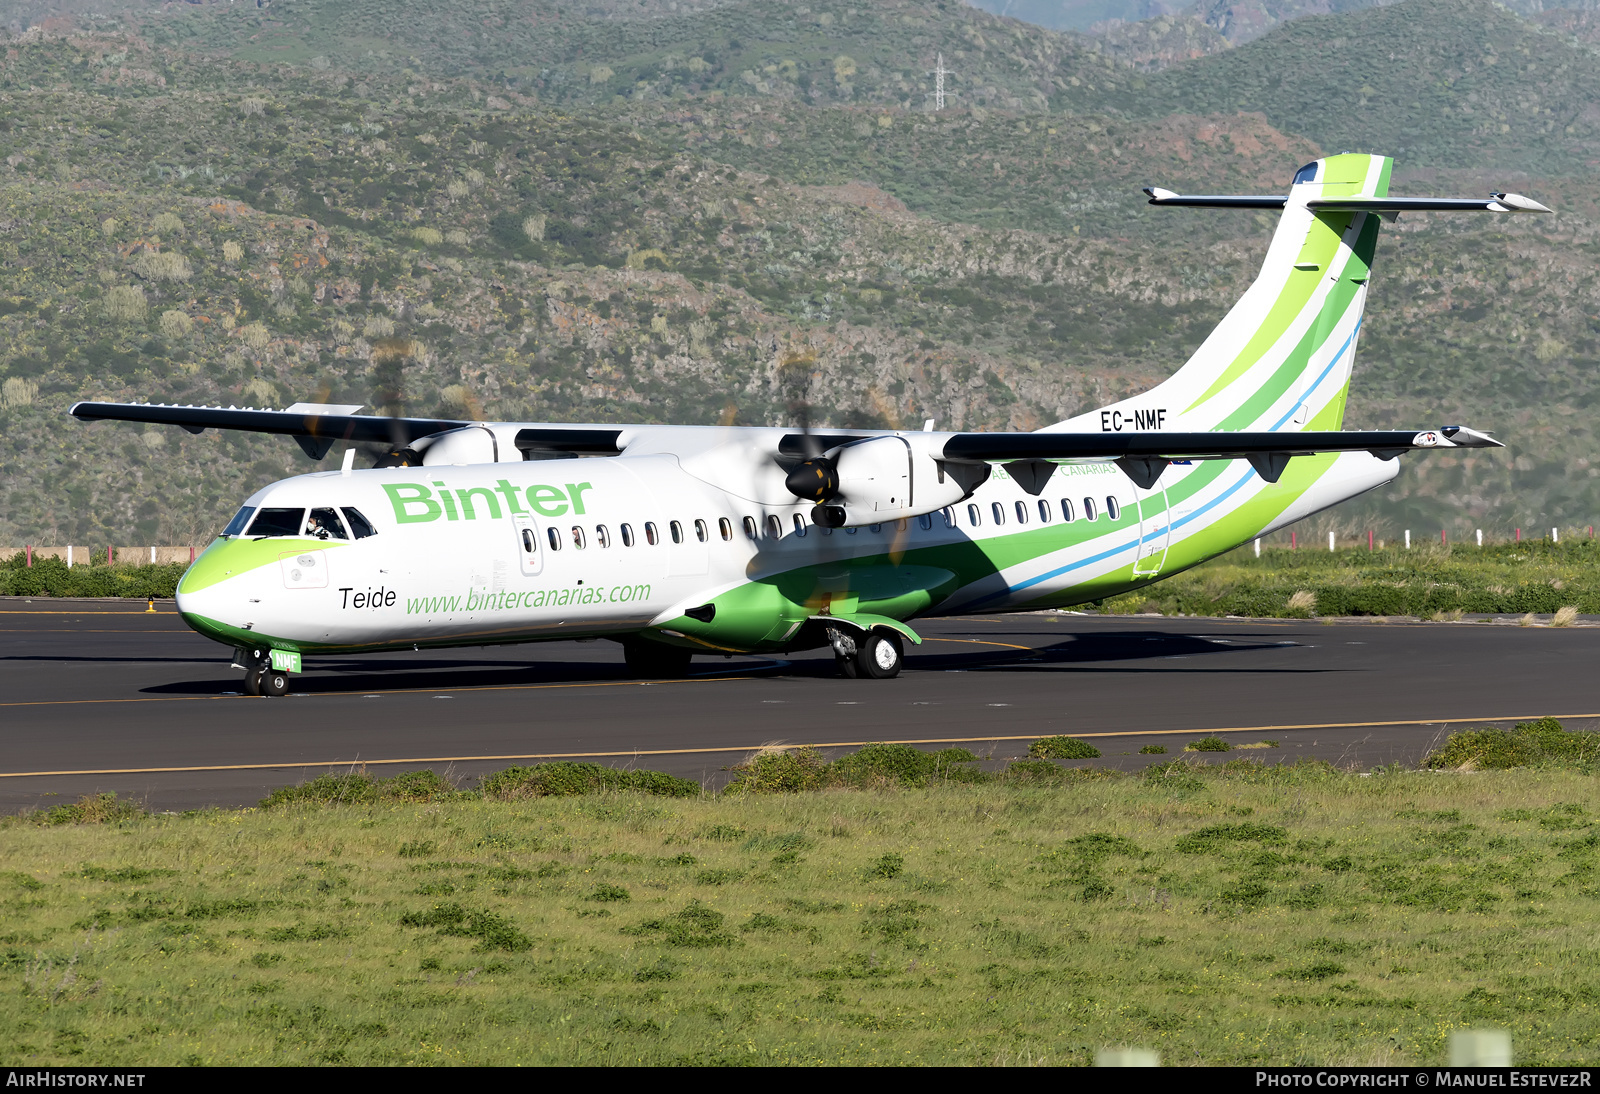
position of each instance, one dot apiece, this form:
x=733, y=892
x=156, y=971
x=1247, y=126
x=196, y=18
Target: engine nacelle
x=886, y=478
x=469, y=444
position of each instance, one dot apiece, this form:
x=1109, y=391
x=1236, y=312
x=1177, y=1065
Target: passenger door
x=530, y=550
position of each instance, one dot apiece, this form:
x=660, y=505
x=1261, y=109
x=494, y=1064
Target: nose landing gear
x=260, y=678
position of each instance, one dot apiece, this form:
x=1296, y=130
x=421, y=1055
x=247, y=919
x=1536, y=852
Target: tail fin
x=1281, y=358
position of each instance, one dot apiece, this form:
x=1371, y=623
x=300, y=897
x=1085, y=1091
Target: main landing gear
x=260, y=678
x=876, y=655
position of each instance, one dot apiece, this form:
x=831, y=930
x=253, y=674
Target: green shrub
x=53, y=577
x=1208, y=744
x=884, y=765
x=363, y=789
x=695, y=926
x=1218, y=837
x=1026, y=771
x=568, y=779
x=1063, y=748
x=874, y=766
x=1153, y=750
x=492, y=931
x=89, y=809
x=785, y=772
x=1544, y=741
x=890, y=866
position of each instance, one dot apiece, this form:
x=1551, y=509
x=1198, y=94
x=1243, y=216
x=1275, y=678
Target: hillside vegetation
x=188, y=215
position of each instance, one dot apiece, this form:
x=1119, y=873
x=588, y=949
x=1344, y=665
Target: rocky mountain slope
x=185, y=216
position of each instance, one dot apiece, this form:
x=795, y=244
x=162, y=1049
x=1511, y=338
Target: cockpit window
x=1308, y=173
x=324, y=524
x=278, y=522
x=240, y=519
x=360, y=526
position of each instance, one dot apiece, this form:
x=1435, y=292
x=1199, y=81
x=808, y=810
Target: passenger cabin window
x=277, y=522
x=999, y=512
x=677, y=531
x=974, y=516
x=325, y=524
x=1067, y=512
x=774, y=526
x=725, y=526
x=651, y=536
x=627, y=535
x=1113, y=510
x=1044, y=511
x=1088, y=509
x=359, y=525
x=1022, y=512
x=554, y=537
x=925, y=522
x=949, y=515
x=799, y=525
x=602, y=535
x=240, y=519
x=901, y=525
x=750, y=527
x=530, y=546
x=700, y=532
x=577, y=537
x=876, y=528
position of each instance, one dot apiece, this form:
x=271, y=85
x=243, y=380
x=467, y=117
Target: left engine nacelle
x=469, y=444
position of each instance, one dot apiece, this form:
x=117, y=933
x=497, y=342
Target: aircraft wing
x=303, y=421
x=1143, y=456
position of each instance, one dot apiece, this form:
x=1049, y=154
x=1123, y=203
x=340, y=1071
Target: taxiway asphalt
x=102, y=696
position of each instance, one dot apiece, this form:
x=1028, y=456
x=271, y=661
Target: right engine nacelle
x=882, y=478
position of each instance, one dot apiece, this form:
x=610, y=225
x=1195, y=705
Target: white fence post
x=1480, y=537
x=1330, y=541
x=1408, y=539
x=1555, y=535
x=1258, y=546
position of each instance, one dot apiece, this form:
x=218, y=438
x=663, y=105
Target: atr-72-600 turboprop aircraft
x=675, y=540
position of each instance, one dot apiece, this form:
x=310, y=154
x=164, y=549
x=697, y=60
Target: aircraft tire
x=252, y=682
x=879, y=657
x=275, y=684
x=847, y=666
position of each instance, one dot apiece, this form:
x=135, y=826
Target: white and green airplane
x=676, y=540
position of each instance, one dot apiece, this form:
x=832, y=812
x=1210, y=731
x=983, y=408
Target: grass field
x=1430, y=580
x=1231, y=914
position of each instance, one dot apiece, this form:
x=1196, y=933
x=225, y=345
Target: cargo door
x=1155, y=530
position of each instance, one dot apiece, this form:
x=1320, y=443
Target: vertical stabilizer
x=1281, y=358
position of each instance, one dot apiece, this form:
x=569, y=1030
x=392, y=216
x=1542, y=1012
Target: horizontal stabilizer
x=1495, y=203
